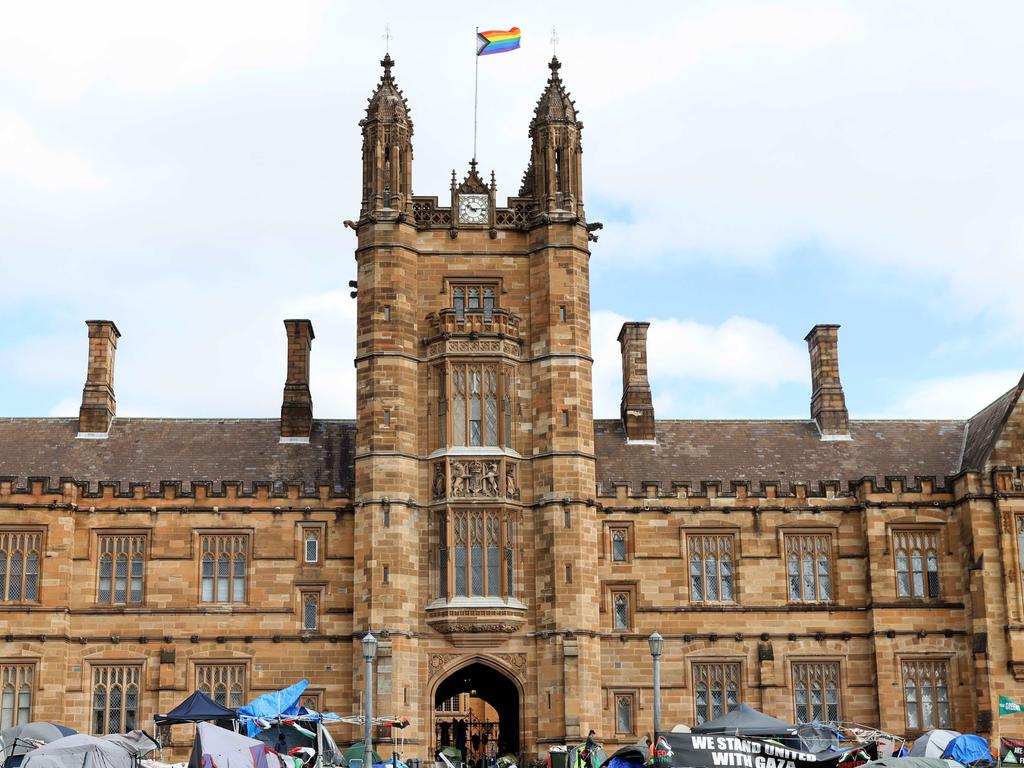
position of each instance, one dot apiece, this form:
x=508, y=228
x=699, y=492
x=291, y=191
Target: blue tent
x=271, y=705
x=197, y=708
x=967, y=748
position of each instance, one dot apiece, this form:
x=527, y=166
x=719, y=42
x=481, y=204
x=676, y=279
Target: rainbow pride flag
x=497, y=41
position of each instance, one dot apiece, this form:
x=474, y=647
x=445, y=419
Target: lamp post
x=369, y=651
x=657, y=642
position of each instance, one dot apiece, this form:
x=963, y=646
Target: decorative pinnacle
x=472, y=165
x=387, y=62
x=555, y=65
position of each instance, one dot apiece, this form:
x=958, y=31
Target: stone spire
x=554, y=178
x=387, y=147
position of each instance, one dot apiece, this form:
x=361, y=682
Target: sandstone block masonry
x=489, y=531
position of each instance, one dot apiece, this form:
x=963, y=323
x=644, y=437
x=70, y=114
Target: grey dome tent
x=744, y=720
x=79, y=751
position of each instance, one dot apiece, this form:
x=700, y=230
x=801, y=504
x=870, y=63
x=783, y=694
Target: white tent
x=933, y=743
x=79, y=751
x=217, y=747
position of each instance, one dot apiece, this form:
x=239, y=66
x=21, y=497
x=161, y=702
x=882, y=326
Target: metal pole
x=476, y=90
x=657, y=695
x=368, y=716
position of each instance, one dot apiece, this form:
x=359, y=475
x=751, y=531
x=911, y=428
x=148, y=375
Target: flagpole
x=476, y=89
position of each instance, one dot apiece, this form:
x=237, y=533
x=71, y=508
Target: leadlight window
x=712, y=568
x=926, y=694
x=479, y=396
x=122, y=567
x=916, y=553
x=224, y=683
x=716, y=689
x=624, y=713
x=311, y=545
x=310, y=611
x=474, y=298
x=115, y=699
x=816, y=692
x=620, y=545
x=809, y=568
x=620, y=610
x=15, y=694
x=224, y=568
x=20, y=553
x=476, y=554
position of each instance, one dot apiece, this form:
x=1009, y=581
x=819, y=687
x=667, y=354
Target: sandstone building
x=502, y=544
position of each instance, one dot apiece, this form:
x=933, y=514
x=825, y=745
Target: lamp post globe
x=369, y=644
x=657, y=644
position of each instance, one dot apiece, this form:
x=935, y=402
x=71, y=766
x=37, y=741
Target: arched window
x=15, y=694
x=916, y=558
x=224, y=568
x=711, y=568
x=20, y=556
x=620, y=551
x=310, y=611
x=926, y=694
x=222, y=682
x=816, y=692
x=809, y=567
x=716, y=689
x=121, y=569
x=620, y=603
x=115, y=699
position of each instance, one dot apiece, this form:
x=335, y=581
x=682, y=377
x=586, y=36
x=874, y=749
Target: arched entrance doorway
x=476, y=710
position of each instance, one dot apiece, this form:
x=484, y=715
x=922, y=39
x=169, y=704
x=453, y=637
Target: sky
x=184, y=170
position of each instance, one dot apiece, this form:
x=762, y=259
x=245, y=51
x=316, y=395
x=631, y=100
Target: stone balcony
x=476, y=615
x=474, y=330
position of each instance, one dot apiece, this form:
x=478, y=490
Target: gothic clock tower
x=475, y=528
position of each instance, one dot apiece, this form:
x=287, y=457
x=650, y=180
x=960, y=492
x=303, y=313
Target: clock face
x=472, y=209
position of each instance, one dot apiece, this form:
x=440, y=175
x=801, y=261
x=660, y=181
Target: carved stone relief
x=475, y=478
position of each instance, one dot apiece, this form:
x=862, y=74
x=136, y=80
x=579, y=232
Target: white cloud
x=67, y=48
x=952, y=397
x=732, y=360
x=26, y=157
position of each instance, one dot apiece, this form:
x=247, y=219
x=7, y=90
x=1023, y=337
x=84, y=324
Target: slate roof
x=983, y=428
x=785, y=451
x=155, y=450
x=152, y=451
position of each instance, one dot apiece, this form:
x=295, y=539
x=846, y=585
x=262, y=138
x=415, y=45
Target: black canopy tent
x=197, y=708
x=744, y=720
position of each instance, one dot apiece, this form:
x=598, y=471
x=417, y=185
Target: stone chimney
x=637, y=408
x=297, y=408
x=828, y=403
x=98, y=404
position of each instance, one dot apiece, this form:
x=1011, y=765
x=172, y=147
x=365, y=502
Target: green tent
x=355, y=752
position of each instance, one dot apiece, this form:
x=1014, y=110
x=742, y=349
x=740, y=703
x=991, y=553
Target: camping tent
x=629, y=756
x=355, y=752
x=932, y=743
x=744, y=720
x=286, y=736
x=216, y=746
x=22, y=739
x=578, y=757
x=139, y=743
x=197, y=708
x=271, y=705
x=79, y=751
x=967, y=748
x=911, y=762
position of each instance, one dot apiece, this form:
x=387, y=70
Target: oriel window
x=481, y=399
x=476, y=554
